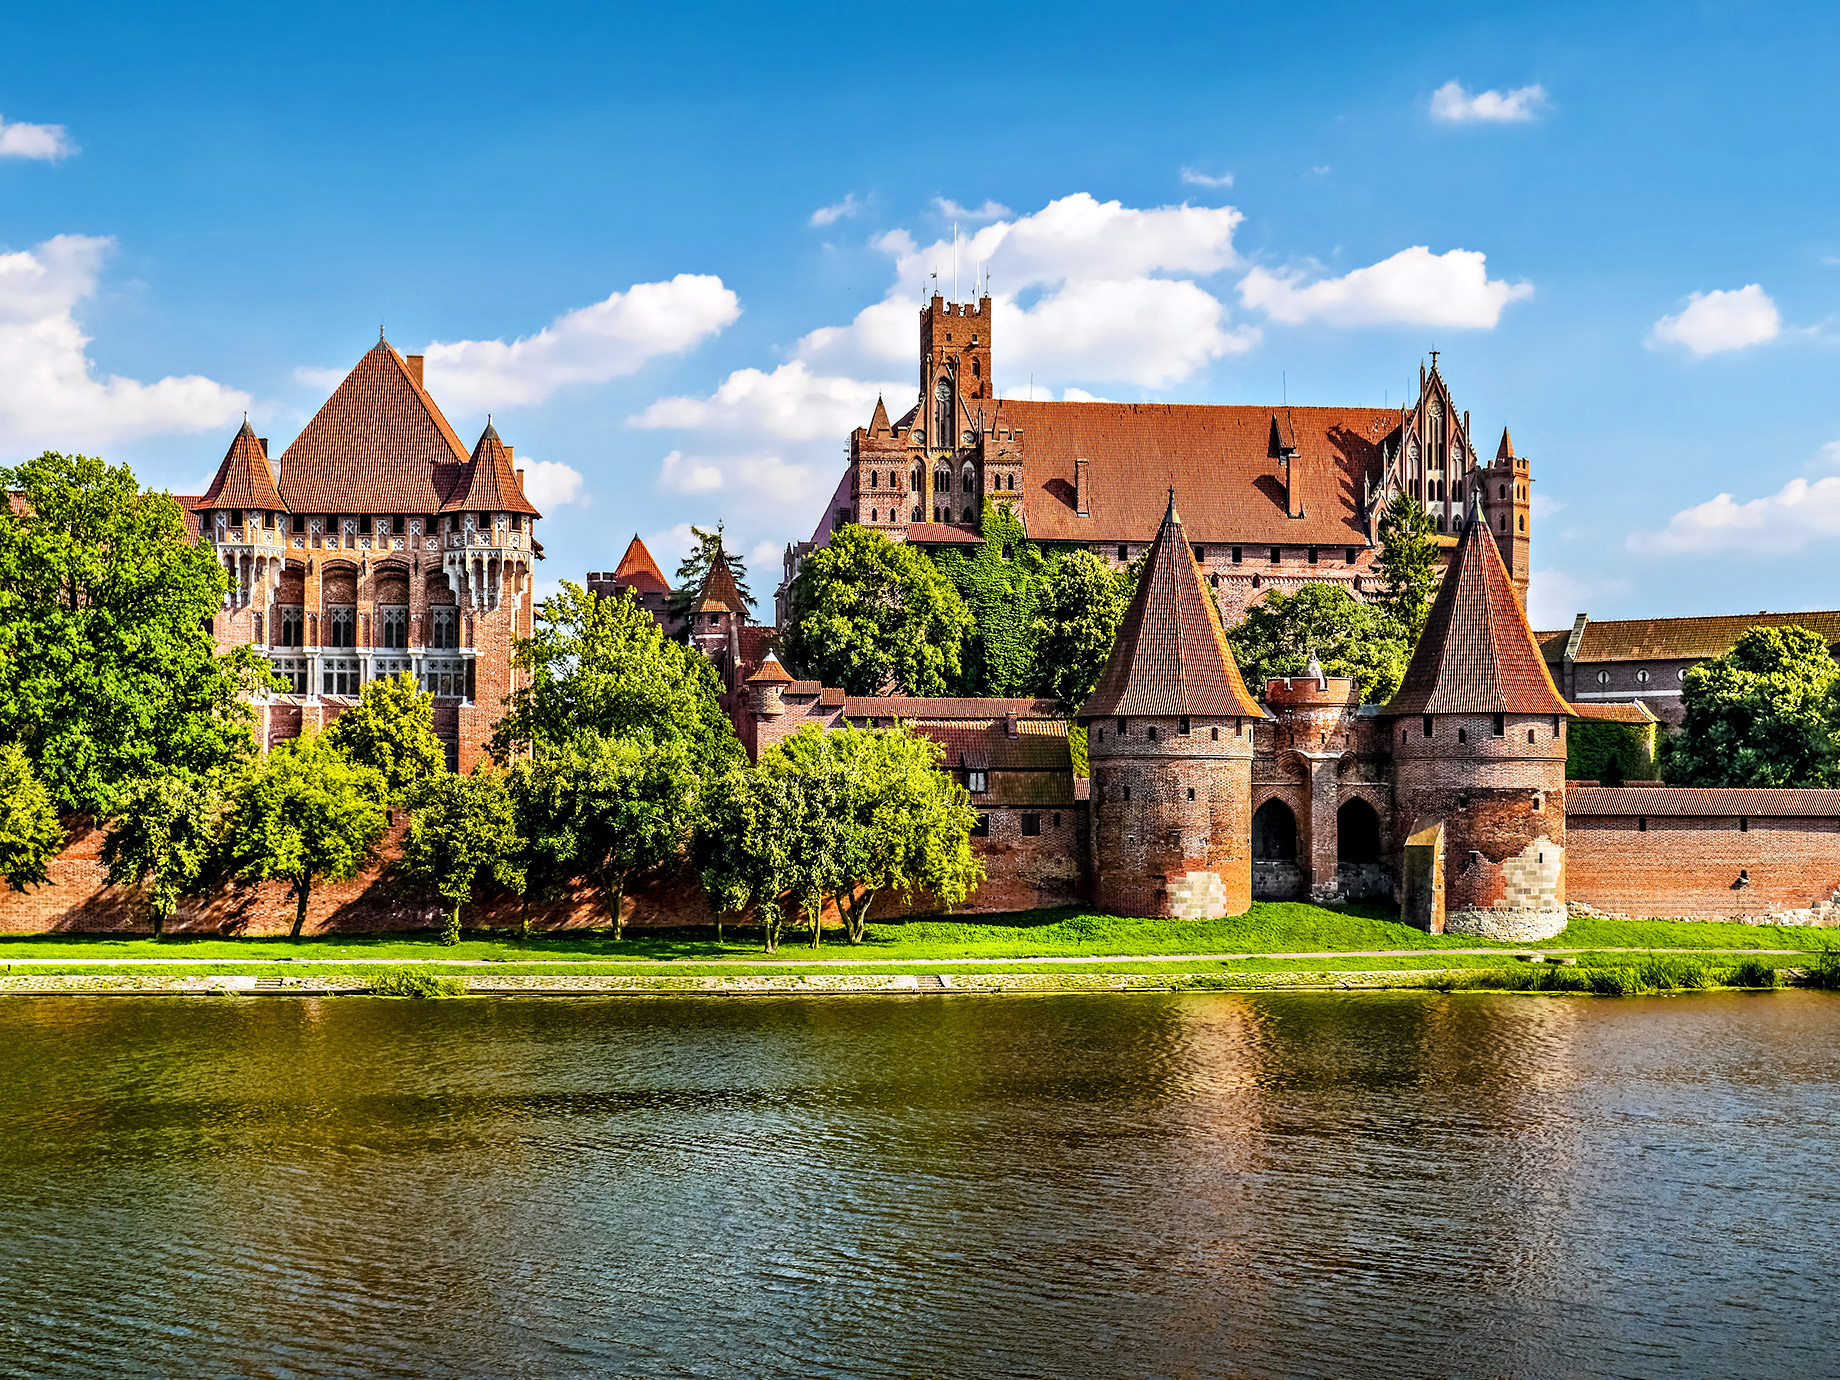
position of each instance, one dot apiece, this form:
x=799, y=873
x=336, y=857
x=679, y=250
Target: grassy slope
x=1270, y=927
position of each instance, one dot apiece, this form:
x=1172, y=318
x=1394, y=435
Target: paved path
x=785, y=957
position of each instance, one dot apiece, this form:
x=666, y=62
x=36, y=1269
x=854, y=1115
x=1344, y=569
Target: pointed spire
x=1171, y=656
x=639, y=571
x=1505, y=451
x=488, y=484
x=878, y=423
x=770, y=672
x=1477, y=654
x=720, y=593
x=247, y=430
x=244, y=479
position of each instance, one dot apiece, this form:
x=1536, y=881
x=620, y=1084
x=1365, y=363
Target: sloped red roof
x=1692, y=800
x=942, y=534
x=1170, y=657
x=488, y=484
x=1219, y=458
x=378, y=445
x=720, y=593
x=946, y=707
x=244, y=480
x=1635, y=712
x=1477, y=654
x=770, y=672
x=1684, y=639
x=639, y=571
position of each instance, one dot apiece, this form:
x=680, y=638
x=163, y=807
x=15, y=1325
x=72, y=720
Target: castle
x=377, y=544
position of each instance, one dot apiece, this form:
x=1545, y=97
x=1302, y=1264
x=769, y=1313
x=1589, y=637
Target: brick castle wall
x=1690, y=867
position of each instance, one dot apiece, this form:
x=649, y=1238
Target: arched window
x=1357, y=833
x=942, y=395
x=968, y=479
x=1523, y=521
x=875, y=479
x=1504, y=490
x=1504, y=523
x=919, y=482
x=1274, y=833
x=942, y=481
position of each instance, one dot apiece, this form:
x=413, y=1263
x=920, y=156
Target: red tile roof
x=1682, y=639
x=1219, y=458
x=942, y=534
x=1477, y=654
x=1691, y=800
x=639, y=571
x=720, y=593
x=378, y=445
x=244, y=480
x=488, y=484
x=770, y=671
x=1170, y=657
x=1635, y=712
x=946, y=707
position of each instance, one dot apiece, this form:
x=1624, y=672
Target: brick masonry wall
x=1688, y=868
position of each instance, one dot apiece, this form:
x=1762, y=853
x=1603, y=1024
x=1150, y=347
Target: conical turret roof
x=878, y=422
x=1505, y=451
x=720, y=593
x=1171, y=655
x=488, y=484
x=1477, y=654
x=639, y=571
x=244, y=480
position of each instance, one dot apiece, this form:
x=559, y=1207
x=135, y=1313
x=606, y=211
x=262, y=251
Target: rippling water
x=1221, y=1185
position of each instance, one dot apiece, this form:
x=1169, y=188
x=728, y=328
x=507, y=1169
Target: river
x=1066, y=1186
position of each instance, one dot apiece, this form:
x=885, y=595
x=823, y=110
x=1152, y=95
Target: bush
x=416, y=982
x=1826, y=971
x=1755, y=972
x=1676, y=974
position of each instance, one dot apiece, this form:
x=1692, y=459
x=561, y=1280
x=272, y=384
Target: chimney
x=415, y=368
x=1293, y=483
x=510, y=452
x=520, y=477
x=262, y=441
x=1010, y=726
x=1082, y=489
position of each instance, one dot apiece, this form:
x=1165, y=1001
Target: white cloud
x=790, y=403
x=836, y=211
x=1194, y=177
x=686, y=474
x=1781, y=523
x=1413, y=287
x=763, y=481
x=1320, y=170
x=550, y=484
x=321, y=380
x=1451, y=102
x=1555, y=598
x=1081, y=395
x=990, y=210
x=1717, y=321
x=50, y=393
x=1146, y=331
x=47, y=142
x=590, y=345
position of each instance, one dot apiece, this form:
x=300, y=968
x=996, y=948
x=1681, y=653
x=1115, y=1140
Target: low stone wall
x=1276, y=881
x=1507, y=926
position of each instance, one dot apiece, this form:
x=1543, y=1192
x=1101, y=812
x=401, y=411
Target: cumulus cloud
x=1781, y=523
x=51, y=395
x=1717, y=321
x=1194, y=177
x=1413, y=287
x=791, y=403
x=550, y=484
x=1451, y=102
x=990, y=210
x=1555, y=598
x=46, y=142
x=836, y=211
x=590, y=345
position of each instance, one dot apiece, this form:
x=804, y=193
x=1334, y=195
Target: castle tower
x=1316, y=732
x=716, y=619
x=1479, y=761
x=1506, y=488
x=1170, y=742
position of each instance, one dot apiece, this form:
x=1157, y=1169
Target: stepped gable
x=639, y=571
x=1222, y=458
x=244, y=480
x=489, y=484
x=720, y=593
x=1171, y=656
x=378, y=445
x=1477, y=655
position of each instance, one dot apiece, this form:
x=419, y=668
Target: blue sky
x=675, y=250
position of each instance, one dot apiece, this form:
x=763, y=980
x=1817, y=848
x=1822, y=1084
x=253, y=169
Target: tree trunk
x=616, y=894
x=855, y=912
x=814, y=907
x=302, y=889
x=159, y=924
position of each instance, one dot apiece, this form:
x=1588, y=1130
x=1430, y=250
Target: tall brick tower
x=1507, y=489
x=1479, y=761
x=1170, y=740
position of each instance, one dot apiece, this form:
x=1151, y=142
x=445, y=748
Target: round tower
x=1169, y=737
x=1478, y=744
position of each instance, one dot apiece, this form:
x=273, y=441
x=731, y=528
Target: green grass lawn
x=1269, y=927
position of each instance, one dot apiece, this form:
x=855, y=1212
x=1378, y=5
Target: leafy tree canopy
x=1408, y=565
x=464, y=828
x=694, y=569
x=1083, y=601
x=391, y=729
x=308, y=815
x=1764, y=714
x=609, y=810
x=1001, y=585
x=107, y=667
x=166, y=834
x=30, y=835
x=758, y=843
x=1350, y=639
x=867, y=612
x=603, y=666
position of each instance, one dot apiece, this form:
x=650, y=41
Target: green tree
x=308, y=815
x=608, y=810
x=892, y=820
x=30, y=835
x=391, y=729
x=694, y=569
x=867, y=612
x=1083, y=601
x=166, y=833
x=603, y=666
x=1350, y=638
x=1408, y=565
x=1001, y=584
x=107, y=667
x=1764, y=714
x=463, y=828
x=754, y=830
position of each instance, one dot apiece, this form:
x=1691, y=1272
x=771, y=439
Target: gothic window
x=393, y=622
x=385, y=666
x=875, y=479
x=292, y=623
x=1523, y=522
x=444, y=675
x=916, y=516
x=442, y=629
x=342, y=627
x=942, y=481
x=977, y=369
x=1504, y=524
x=919, y=479
x=968, y=480
x=942, y=395
x=339, y=675
x=291, y=671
